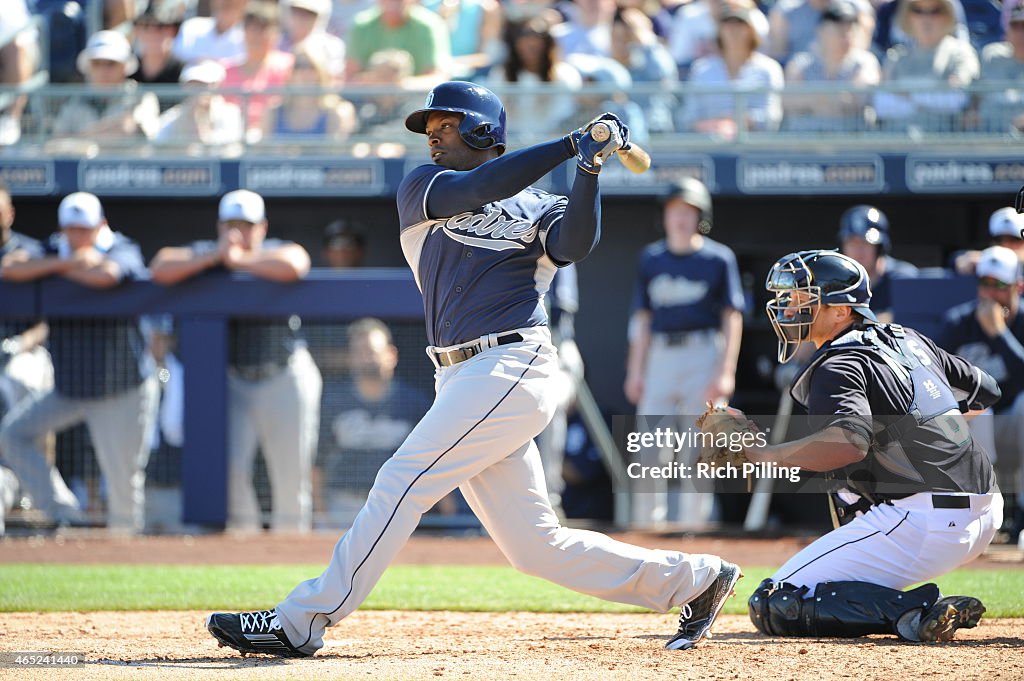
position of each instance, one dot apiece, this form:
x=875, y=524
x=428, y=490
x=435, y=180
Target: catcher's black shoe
x=940, y=622
x=252, y=632
x=697, y=616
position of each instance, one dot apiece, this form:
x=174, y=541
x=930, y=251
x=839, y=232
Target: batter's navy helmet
x=868, y=223
x=827, y=278
x=483, y=116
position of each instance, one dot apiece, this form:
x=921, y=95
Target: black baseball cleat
x=252, y=632
x=697, y=616
x=940, y=622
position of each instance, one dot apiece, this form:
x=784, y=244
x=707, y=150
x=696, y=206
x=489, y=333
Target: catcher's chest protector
x=917, y=451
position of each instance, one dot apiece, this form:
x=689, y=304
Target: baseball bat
x=634, y=158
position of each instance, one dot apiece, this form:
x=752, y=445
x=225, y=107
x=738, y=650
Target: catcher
x=914, y=495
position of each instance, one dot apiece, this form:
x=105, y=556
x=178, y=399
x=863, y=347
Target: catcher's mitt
x=722, y=428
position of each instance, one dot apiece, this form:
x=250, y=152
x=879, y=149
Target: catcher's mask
x=821, y=277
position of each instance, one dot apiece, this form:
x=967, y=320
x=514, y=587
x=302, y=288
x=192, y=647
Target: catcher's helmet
x=868, y=223
x=483, y=116
x=828, y=278
x=692, y=191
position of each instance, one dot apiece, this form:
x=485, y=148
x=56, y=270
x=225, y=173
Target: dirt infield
x=450, y=645
x=480, y=646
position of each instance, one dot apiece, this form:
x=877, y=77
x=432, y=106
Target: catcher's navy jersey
x=482, y=271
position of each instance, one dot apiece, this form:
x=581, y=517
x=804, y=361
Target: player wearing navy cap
x=483, y=246
x=864, y=235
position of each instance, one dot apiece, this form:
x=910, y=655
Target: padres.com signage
x=666, y=169
x=311, y=177
x=964, y=174
x=810, y=174
x=28, y=178
x=149, y=178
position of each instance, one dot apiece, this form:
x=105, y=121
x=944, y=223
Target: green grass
x=46, y=587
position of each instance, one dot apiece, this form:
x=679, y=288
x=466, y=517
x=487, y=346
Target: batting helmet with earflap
x=483, y=115
x=868, y=223
x=692, y=191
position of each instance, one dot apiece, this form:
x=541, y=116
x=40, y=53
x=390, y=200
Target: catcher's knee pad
x=837, y=609
x=777, y=609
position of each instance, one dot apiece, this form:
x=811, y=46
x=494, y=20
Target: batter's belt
x=453, y=354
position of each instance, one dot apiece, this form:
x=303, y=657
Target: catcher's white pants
x=676, y=379
x=478, y=436
x=898, y=545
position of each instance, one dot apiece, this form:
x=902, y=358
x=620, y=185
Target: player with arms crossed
x=916, y=497
x=483, y=246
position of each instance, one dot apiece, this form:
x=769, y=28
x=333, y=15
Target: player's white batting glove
x=592, y=153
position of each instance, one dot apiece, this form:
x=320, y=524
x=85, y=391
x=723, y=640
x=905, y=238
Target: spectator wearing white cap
x=1003, y=111
x=305, y=29
x=219, y=37
x=98, y=377
x=273, y=384
x=988, y=332
x=115, y=109
x=1006, y=228
x=204, y=116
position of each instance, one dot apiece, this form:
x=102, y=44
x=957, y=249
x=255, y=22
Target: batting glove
x=591, y=154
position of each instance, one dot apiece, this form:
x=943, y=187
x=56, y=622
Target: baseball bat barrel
x=634, y=158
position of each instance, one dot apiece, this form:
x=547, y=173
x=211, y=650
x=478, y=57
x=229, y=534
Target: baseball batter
x=915, y=496
x=483, y=246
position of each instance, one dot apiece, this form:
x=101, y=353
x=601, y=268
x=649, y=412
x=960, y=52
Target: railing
x=897, y=116
x=202, y=309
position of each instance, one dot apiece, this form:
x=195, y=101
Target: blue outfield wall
x=202, y=308
x=751, y=173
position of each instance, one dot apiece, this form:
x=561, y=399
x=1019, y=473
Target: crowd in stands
x=933, y=48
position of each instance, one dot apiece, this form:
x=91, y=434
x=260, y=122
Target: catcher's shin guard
x=837, y=609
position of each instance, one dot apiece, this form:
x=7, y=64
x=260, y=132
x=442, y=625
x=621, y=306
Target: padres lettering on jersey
x=481, y=271
x=687, y=292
